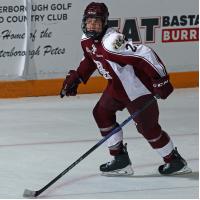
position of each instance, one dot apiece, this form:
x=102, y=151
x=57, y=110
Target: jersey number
x=132, y=47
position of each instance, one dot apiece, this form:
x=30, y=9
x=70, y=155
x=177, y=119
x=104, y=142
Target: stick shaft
x=132, y=116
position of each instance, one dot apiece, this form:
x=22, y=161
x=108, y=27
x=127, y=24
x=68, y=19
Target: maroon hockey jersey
x=128, y=68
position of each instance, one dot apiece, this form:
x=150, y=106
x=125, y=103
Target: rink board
x=49, y=87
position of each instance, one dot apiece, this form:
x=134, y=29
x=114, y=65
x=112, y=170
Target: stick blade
x=29, y=193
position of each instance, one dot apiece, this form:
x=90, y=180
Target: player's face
x=94, y=24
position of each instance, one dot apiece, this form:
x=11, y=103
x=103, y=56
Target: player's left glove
x=162, y=87
x=70, y=84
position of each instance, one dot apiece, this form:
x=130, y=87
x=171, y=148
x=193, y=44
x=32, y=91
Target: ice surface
x=41, y=136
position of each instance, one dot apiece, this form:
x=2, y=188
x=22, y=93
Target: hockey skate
x=120, y=166
x=177, y=166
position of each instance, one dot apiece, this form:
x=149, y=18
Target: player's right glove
x=70, y=84
x=162, y=87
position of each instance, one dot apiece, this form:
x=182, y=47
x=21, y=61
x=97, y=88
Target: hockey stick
x=31, y=193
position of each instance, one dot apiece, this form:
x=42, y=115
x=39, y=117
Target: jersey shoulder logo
x=114, y=41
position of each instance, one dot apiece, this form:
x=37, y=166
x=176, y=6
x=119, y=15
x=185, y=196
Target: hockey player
x=135, y=74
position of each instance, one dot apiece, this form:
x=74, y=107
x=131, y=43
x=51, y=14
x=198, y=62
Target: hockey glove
x=70, y=84
x=162, y=87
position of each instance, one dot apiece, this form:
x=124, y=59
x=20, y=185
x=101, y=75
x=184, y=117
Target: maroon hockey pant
x=146, y=123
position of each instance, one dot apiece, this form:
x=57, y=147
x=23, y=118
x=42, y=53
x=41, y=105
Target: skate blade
x=127, y=171
x=184, y=170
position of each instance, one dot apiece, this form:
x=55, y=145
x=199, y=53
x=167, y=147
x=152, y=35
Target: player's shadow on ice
x=192, y=176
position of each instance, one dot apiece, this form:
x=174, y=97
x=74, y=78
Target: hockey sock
x=169, y=158
x=116, y=149
x=163, y=145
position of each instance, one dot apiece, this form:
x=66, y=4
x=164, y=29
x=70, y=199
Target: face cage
x=93, y=34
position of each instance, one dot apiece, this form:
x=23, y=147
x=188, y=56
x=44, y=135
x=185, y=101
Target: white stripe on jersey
x=142, y=51
x=149, y=57
x=132, y=85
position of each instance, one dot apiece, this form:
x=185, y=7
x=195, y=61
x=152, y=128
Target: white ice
x=42, y=136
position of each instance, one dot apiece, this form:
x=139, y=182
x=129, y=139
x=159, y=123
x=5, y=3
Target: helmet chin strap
x=92, y=34
x=96, y=35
